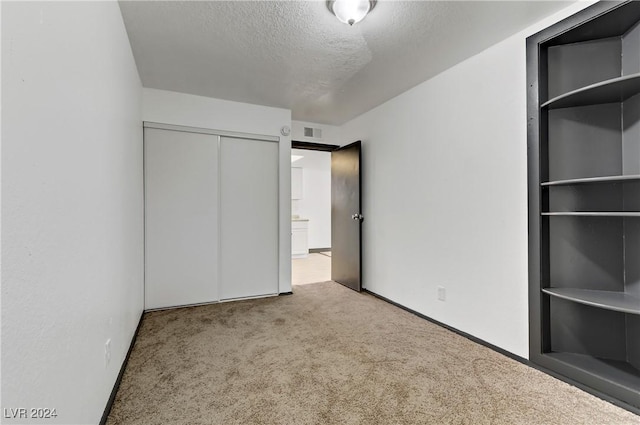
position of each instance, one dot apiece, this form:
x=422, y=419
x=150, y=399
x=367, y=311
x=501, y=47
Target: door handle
x=357, y=217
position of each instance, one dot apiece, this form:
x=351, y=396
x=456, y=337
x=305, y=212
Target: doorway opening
x=310, y=212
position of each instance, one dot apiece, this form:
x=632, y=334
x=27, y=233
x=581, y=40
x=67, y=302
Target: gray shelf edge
x=623, y=394
x=587, y=180
x=601, y=369
x=575, y=93
x=591, y=214
x=600, y=299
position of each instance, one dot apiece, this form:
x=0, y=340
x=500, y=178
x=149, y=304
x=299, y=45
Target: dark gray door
x=346, y=217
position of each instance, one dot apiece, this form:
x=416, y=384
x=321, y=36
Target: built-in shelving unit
x=583, y=82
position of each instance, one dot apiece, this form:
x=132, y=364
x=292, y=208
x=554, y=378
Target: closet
x=211, y=215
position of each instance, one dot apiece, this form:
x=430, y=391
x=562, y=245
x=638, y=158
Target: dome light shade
x=350, y=11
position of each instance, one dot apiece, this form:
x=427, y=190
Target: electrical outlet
x=442, y=293
x=107, y=352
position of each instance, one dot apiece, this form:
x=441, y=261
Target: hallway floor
x=315, y=268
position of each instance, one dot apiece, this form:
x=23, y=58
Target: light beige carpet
x=328, y=355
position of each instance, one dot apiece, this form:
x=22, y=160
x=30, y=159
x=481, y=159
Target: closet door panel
x=181, y=218
x=249, y=218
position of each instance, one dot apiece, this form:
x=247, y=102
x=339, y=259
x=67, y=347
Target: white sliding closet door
x=181, y=218
x=248, y=217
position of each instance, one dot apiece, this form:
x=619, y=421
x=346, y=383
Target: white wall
x=196, y=111
x=72, y=247
x=315, y=204
x=330, y=133
x=445, y=194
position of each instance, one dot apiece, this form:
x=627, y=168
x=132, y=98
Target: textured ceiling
x=296, y=55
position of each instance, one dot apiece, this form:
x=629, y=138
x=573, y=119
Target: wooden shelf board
x=609, y=91
x=588, y=180
x=608, y=300
x=592, y=214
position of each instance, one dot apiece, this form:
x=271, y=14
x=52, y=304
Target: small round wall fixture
x=285, y=130
x=350, y=11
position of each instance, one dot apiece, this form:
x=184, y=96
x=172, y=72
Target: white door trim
x=236, y=134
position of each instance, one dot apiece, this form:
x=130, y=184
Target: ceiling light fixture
x=350, y=11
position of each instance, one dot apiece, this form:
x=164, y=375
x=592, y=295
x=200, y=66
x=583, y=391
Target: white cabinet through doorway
x=299, y=238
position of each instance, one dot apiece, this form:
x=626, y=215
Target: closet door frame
x=238, y=135
x=222, y=133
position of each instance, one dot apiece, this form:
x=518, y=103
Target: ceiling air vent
x=315, y=133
